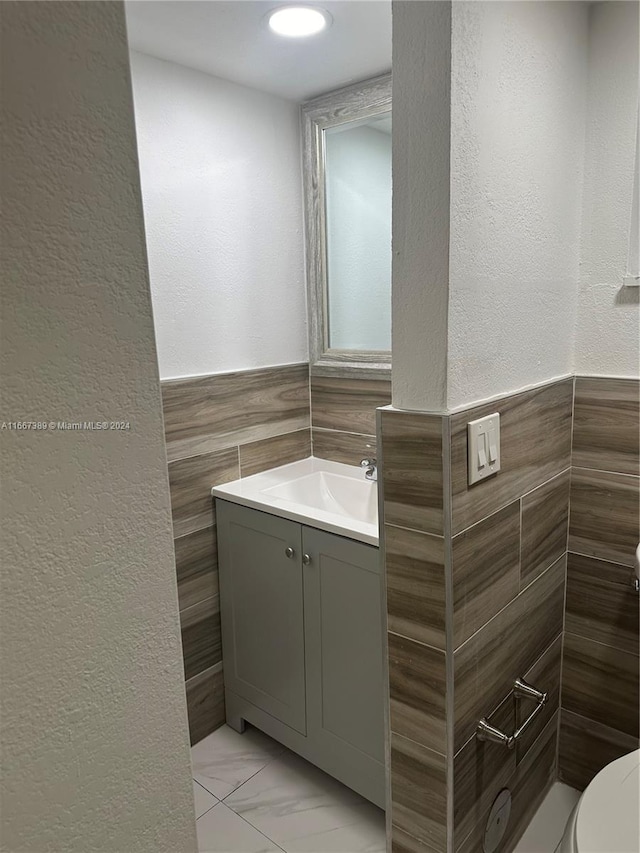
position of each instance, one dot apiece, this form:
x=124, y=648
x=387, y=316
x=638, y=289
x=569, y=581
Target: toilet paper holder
x=521, y=690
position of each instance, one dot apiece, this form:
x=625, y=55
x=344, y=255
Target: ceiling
x=232, y=40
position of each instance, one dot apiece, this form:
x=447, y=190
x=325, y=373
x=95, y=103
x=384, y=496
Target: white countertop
x=327, y=495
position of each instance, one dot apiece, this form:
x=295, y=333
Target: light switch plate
x=483, y=443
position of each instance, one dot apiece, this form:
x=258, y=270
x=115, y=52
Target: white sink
x=323, y=494
x=357, y=499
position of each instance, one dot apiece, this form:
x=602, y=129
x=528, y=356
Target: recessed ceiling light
x=298, y=21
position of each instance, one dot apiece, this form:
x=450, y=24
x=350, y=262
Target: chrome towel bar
x=521, y=690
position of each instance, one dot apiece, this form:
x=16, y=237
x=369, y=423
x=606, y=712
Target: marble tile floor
x=254, y=796
x=544, y=833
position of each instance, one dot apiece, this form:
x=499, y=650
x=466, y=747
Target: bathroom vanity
x=300, y=591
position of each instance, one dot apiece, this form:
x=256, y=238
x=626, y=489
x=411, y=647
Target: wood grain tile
x=486, y=570
x=606, y=424
x=586, y=747
x=201, y=638
x=605, y=508
x=190, y=482
x=413, y=470
x=205, y=703
x=348, y=404
x=545, y=676
x=601, y=604
x=545, y=522
x=601, y=683
x=210, y=413
x=419, y=791
x=196, y=566
x=528, y=785
x=415, y=585
x=417, y=686
x=402, y=842
x=480, y=772
x=533, y=778
x=535, y=437
x=346, y=447
x=268, y=453
x=488, y=663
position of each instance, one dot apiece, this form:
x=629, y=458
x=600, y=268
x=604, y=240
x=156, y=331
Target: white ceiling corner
x=231, y=40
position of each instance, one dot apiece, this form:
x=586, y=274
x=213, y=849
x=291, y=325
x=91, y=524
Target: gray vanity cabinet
x=302, y=641
x=343, y=631
x=262, y=601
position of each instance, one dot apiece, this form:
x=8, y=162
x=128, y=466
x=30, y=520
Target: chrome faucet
x=372, y=469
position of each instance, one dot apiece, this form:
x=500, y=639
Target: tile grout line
x=423, y=844
x=237, y=788
x=227, y=447
x=217, y=801
x=345, y=432
x=604, y=645
x=520, y=548
x=310, y=409
x=386, y=667
x=248, y=822
x=536, y=661
x=495, y=616
x=208, y=671
x=253, y=775
x=199, y=530
x=600, y=725
x=562, y=635
x=546, y=482
x=449, y=615
x=418, y=642
x=601, y=560
x=255, y=828
x=513, y=500
x=606, y=471
x=413, y=530
x=202, y=601
x=417, y=743
x=566, y=583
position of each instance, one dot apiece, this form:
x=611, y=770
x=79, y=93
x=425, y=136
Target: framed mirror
x=347, y=182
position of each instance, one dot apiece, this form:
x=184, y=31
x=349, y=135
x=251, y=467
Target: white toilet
x=606, y=818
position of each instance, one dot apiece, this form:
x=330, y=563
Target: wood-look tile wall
x=475, y=598
x=343, y=416
x=415, y=558
x=222, y=427
x=599, y=718
x=219, y=428
x=508, y=546
x=535, y=436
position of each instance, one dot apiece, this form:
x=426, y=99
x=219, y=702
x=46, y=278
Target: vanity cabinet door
x=344, y=658
x=261, y=602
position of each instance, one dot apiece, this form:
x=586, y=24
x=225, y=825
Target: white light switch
x=483, y=438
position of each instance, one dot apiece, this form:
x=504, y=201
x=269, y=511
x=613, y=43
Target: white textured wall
x=358, y=170
x=221, y=187
x=517, y=151
x=421, y=139
x=608, y=329
x=94, y=732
